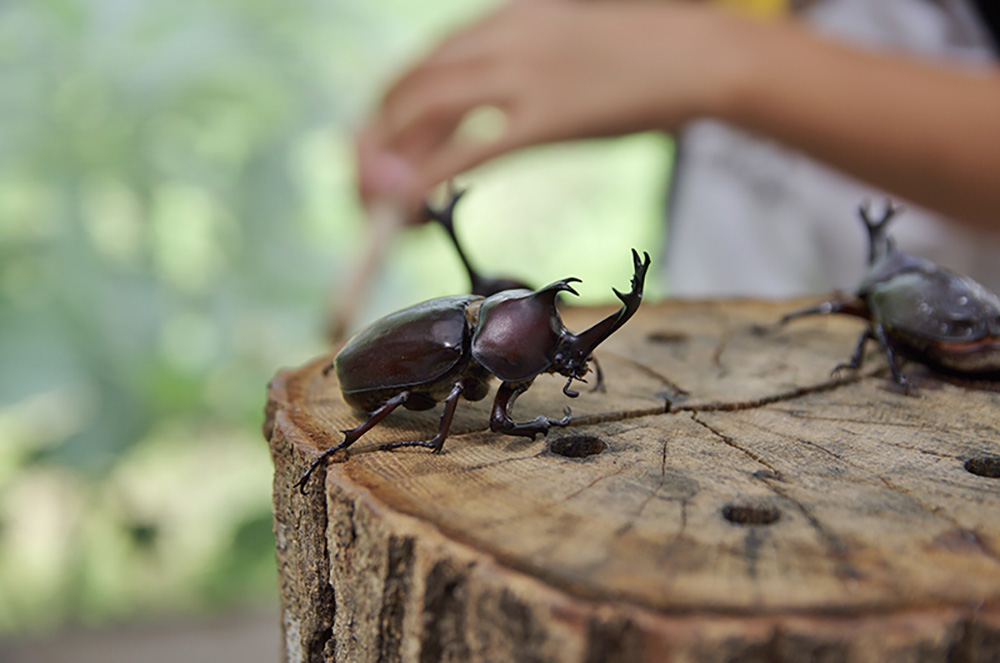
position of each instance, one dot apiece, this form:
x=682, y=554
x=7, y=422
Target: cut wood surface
x=725, y=499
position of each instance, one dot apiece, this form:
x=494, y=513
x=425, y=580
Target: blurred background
x=176, y=212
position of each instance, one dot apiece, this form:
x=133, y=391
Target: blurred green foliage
x=176, y=209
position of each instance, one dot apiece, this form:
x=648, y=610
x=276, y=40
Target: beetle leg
x=351, y=435
x=890, y=354
x=859, y=353
x=847, y=306
x=501, y=421
x=599, y=381
x=437, y=442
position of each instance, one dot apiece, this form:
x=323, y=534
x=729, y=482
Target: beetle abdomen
x=980, y=357
x=417, y=345
x=940, y=318
x=936, y=305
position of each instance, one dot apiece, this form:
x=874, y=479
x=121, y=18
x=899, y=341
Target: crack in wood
x=797, y=392
x=395, y=594
x=609, y=417
x=443, y=637
x=585, y=488
x=820, y=447
x=652, y=495
x=732, y=443
x=800, y=414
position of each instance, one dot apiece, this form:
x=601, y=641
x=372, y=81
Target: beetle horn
x=446, y=217
x=879, y=244
x=479, y=284
x=577, y=348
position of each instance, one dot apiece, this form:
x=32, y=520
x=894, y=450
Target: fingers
x=416, y=123
x=421, y=114
x=553, y=70
x=419, y=147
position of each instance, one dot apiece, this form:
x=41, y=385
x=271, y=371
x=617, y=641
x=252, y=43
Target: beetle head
x=574, y=352
x=519, y=331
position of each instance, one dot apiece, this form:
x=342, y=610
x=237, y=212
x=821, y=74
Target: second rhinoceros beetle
x=451, y=347
x=919, y=310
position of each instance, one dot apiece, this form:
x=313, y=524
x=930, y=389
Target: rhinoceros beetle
x=919, y=310
x=451, y=347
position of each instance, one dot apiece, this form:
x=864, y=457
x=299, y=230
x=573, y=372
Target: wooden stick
x=385, y=219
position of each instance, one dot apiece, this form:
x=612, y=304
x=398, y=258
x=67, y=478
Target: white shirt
x=749, y=217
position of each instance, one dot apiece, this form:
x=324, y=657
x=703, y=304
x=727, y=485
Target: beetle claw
x=846, y=366
x=304, y=479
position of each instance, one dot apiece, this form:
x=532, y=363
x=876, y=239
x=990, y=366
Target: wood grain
x=726, y=499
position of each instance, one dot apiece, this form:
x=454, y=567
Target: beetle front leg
x=352, y=435
x=890, y=354
x=859, y=353
x=437, y=442
x=847, y=306
x=599, y=377
x=501, y=421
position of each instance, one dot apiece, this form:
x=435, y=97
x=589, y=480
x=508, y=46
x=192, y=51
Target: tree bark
x=726, y=499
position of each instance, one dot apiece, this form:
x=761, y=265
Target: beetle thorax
x=517, y=334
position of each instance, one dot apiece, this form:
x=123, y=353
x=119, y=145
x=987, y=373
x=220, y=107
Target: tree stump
x=726, y=499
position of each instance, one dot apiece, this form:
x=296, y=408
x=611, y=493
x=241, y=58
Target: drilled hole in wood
x=577, y=446
x=984, y=466
x=750, y=514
